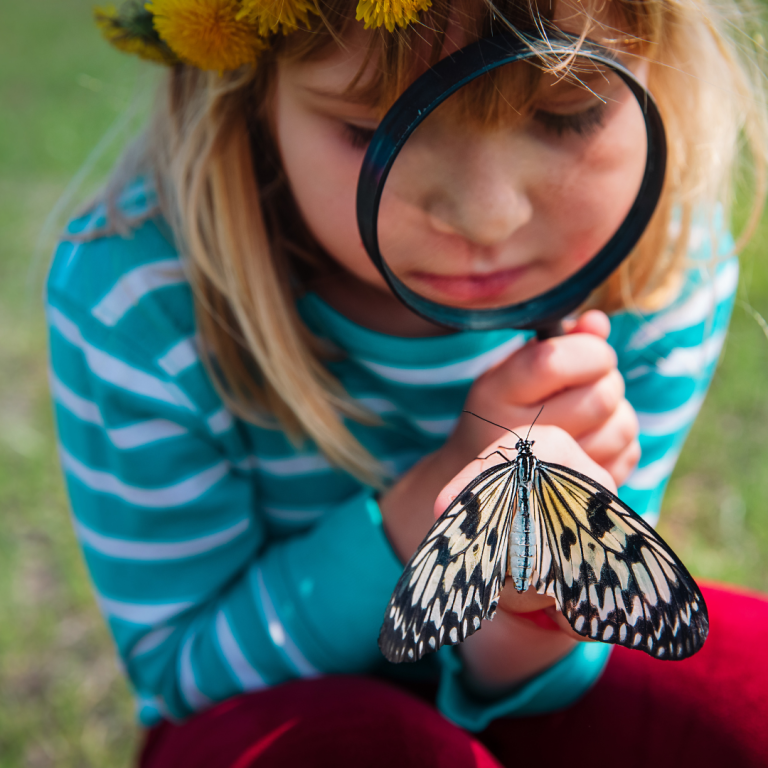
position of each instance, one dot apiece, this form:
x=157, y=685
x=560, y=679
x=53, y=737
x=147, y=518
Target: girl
x=256, y=435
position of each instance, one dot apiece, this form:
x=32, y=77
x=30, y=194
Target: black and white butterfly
x=545, y=525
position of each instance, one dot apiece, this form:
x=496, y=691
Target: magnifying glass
x=499, y=191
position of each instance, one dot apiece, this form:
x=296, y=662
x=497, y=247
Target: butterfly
x=545, y=525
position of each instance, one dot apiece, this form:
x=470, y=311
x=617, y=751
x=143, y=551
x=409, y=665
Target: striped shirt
x=224, y=558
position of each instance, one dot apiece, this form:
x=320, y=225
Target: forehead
x=343, y=62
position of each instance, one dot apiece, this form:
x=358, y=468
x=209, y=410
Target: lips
x=470, y=287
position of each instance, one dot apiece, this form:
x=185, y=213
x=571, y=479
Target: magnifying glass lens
x=513, y=184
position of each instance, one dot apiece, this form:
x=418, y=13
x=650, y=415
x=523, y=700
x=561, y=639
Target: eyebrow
x=356, y=96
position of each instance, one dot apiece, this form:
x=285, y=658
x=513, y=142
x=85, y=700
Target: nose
x=483, y=197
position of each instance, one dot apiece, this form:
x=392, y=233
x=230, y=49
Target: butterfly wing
x=614, y=578
x=543, y=575
x=454, y=579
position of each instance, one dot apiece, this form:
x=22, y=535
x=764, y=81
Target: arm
x=201, y=603
x=575, y=378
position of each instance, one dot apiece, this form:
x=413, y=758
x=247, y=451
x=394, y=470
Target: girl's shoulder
x=129, y=284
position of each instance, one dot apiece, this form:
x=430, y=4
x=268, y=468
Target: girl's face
x=472, y=216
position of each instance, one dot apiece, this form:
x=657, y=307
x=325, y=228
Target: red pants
x=711, y=710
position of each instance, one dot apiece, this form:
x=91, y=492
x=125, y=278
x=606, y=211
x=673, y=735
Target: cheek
x=583, y=203
x=322, y=173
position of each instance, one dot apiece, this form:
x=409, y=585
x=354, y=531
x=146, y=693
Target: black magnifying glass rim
x=430, y=90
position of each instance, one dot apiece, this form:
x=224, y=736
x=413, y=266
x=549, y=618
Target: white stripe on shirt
x=247, y=677
x=684, y=361
x=693, y=311
x=143, y=614
x=220, y=421
x=144, y=433
x=170, y=496
x=648, y=477
x=134, y=285
x=85, y=410
x=179, y=357
x=381, y=405
x=292, y=465
x=136, y=435
x=317, y=463
x=669, y=422
x=150, y=641
x=377, y=404
x=116, y=372
x=652, y=518
x=465, y=370
x=442, y=427
x=125, y=549
x=194, y=697
x=277, y=631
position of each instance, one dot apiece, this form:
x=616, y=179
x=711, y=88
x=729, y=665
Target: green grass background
x=63, y=700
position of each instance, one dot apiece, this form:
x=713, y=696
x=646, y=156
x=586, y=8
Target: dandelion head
x=207, y=33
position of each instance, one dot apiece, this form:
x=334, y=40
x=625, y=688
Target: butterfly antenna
x=534, y=421
x=488, y=421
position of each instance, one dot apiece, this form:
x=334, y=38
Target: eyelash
x=581, y=123
x=358, y=138
x=584, y=123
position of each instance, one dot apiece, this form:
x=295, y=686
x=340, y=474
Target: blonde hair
x=221, y=187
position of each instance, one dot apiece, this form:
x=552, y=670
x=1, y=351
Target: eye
x=357, y=136
x=584, y=123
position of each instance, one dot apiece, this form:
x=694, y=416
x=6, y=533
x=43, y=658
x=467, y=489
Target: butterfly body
x=550, y=527
x=522, y=545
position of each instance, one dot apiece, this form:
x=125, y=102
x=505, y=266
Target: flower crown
x=227, y=34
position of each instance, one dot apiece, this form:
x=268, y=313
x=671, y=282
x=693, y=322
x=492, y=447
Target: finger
x=624, y=464
x=583, y=410
x=578, y=410
x=614, y=434
x=529, y=601
x=556, y=446
x=592, y=321
x=523, y=605
x=540, y=370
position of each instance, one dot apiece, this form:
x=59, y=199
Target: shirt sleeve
x=201, y=603
x=668, y=359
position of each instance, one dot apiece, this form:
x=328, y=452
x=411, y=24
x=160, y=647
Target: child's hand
x=574, y=376
x=576, y=380
x=528, y=633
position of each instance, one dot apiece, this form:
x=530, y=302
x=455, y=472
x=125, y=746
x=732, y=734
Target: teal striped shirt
x=224, y=559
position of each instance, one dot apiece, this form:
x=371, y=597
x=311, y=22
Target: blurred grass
x=715, y=509
x=64, y=702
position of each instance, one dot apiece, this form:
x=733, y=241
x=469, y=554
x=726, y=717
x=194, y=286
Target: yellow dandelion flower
x=129, y=37
x=207, y=33
x=272, y=15
x=390, y=13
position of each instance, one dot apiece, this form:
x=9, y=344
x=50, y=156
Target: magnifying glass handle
x=548, y=331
